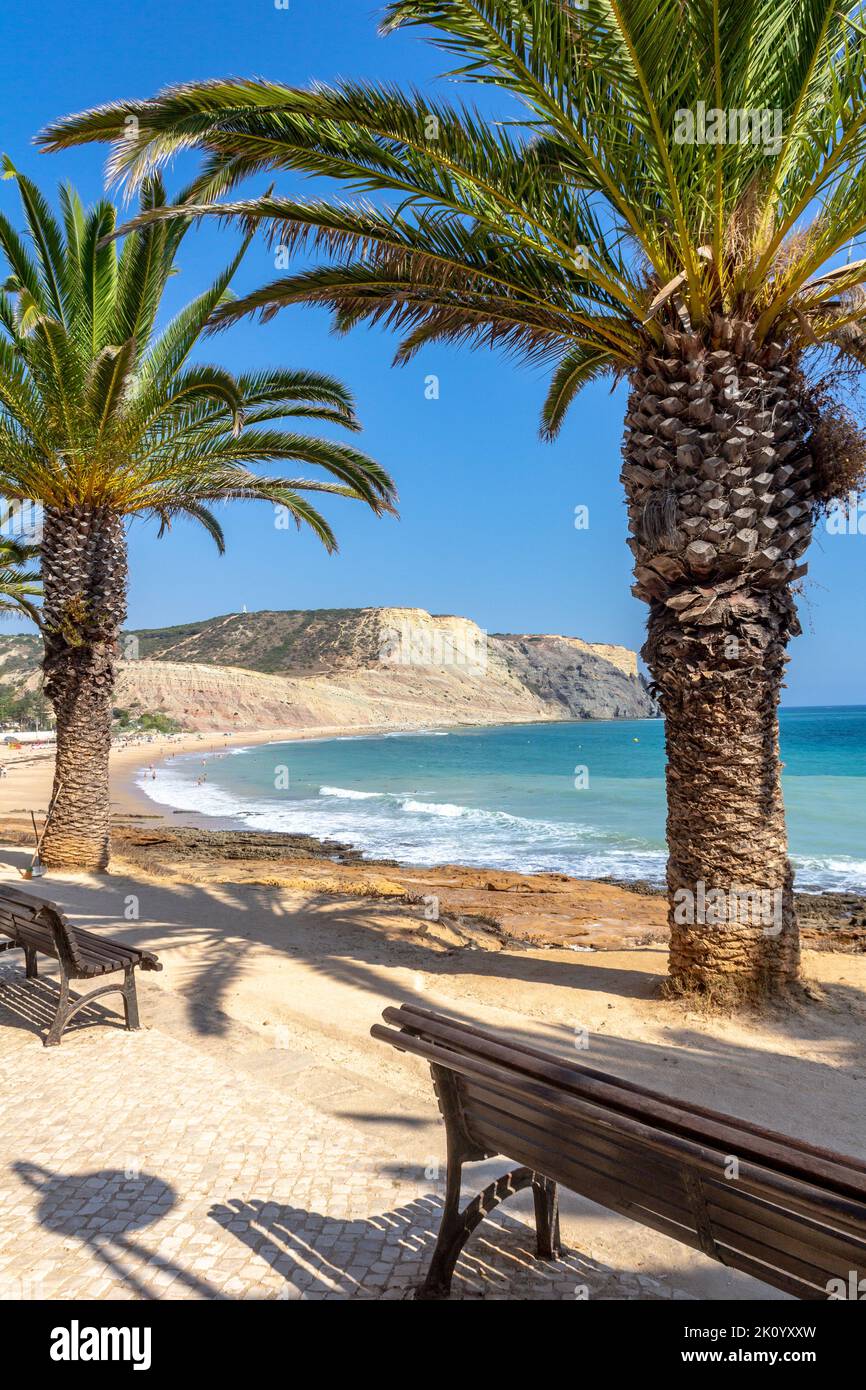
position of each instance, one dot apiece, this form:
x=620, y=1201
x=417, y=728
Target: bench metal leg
x=130, y=1000
x=30, y=967
x=61, y=1018
x=451, y=1239
x=548, y=1243
x=457, y=1226
x=67, y=1008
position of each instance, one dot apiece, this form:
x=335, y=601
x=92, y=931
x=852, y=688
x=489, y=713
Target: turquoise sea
x=584, y=798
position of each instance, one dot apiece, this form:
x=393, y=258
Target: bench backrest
x=786, y=1212
x=36, y=921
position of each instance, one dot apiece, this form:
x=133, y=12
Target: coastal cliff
x=365, y=667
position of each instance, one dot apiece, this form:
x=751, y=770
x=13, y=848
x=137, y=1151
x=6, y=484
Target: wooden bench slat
x=561, y=1071
x=607, y=1193
x=592, y=1148
x=13, y=914
x=582, y=1167
x=763, y=1145
x=404, y=1013
x=777, y=1278
x=793, y=1215
x=579, y=1171
x=766, y=1181
x=593, y=1152
x=732, y=1228
x=731, y=1204
x=100, y=953
x=775, y=1258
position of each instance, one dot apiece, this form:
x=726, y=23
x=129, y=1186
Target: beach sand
x=268, y=939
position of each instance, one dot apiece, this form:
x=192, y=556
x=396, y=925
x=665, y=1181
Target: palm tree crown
x=19, y=578
x=98, y=408
x=663, y=163
x=104, y=417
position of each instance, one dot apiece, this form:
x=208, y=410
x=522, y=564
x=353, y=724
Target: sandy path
x=325, y=965
x=305, y=977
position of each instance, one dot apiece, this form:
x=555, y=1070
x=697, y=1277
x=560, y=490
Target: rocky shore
x=486, y=908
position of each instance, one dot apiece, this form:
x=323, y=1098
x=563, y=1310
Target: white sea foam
x=836, y=873
x=425, y=833
x=435, y=808
x=403, y=827
x=349, y=794
x=416, y=733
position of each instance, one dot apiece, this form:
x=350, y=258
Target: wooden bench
x=786, y=1212
x=35, y=925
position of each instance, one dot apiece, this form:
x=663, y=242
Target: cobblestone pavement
x=137, y=1166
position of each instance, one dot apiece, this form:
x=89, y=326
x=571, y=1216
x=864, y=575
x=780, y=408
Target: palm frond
x=98, y=408
x=551, y=231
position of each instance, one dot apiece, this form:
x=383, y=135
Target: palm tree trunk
x=717, y=478
x=84, y=576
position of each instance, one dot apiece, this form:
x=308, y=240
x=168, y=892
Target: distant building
x=28, y=736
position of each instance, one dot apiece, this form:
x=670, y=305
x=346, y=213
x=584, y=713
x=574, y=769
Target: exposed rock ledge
x=481, y=908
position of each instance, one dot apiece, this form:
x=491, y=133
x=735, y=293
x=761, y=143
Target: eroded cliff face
x=364, y=667
x=582, y=680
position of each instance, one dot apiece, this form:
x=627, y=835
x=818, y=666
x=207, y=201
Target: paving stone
x=192, y=1182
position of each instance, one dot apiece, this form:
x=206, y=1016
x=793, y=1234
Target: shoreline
x=27, y=787
x=29, y=771
x=606, y=905
x=129, y=799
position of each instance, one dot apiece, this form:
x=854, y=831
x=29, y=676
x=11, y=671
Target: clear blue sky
x=487, y=524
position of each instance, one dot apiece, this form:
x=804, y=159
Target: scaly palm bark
x=84, y=571
x=719, y=483
x=604, y=226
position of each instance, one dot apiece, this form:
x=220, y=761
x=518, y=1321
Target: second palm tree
x=103, y=418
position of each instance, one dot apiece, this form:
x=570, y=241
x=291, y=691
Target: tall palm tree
x=663, y=197
x=103, y=418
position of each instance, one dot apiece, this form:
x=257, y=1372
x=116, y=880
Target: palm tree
x=103, y=418
x=663, y=198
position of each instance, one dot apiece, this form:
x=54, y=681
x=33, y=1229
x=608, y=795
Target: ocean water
x=584, y=798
